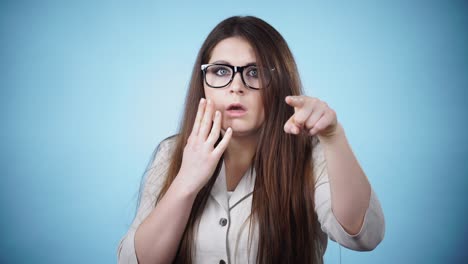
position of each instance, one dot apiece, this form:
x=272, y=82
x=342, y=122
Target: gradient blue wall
x=89, y=89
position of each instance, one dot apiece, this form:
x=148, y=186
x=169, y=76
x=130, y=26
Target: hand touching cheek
x=200, y=156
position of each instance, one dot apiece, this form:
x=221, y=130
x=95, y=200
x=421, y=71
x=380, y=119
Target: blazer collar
x=242, y=191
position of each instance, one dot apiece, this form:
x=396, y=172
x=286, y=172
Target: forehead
x=233, y=50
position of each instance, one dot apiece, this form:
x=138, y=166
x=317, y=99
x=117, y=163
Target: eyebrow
x=225, y=62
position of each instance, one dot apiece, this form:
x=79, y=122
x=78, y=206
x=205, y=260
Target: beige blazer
x=223, y=228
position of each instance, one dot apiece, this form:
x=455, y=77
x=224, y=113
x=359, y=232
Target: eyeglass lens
x=220, y=75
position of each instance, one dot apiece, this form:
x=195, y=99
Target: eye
x=220, y=70
x=252, y=72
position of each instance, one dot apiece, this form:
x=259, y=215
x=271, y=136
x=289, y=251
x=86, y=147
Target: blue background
x=89, y=89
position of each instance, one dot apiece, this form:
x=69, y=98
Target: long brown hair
x=283, y=197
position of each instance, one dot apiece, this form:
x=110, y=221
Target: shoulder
x=317, y=151
x=318, y=161
x=160, y=160
x=167, y=144
x=162, y=154
x=315, y=141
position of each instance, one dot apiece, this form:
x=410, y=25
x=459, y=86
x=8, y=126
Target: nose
x=237, y=85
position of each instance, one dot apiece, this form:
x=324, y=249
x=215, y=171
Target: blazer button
x=222, y=222
x=222, y=262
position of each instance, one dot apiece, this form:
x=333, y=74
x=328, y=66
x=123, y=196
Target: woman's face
x=237, y=52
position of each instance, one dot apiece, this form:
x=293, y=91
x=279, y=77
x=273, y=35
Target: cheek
x=207, y=92
x=218, y=106
x=260, y=110
x=214, y=97
x=261, y=115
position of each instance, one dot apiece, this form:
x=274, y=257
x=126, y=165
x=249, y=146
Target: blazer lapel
x=244, y=188
x=219, y=190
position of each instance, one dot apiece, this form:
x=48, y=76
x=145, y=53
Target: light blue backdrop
x=89, y=89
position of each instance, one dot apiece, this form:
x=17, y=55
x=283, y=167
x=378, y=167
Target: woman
x=258, y=173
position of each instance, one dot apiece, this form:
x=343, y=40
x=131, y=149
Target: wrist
x=183, y=189
x=333, y=136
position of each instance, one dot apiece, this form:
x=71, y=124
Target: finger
x=206, y=123
x=198, y=118
x=219, y=150
x=322, y=123
x=290, y=127
x=215, y=130
x=313, y=118
x=295, y=101
x=301, y=116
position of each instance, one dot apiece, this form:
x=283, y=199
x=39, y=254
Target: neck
x=241, y=150
x=238, y=158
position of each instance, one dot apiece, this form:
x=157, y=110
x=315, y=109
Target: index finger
x=198, y=118
x=296, y=101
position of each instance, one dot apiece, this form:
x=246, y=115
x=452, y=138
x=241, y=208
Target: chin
x=244, y=131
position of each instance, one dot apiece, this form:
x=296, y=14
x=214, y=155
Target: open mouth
x=236, y=107
x=236, y=110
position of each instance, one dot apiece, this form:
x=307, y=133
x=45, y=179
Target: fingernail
x=209, y=101
x=229, y=129
x=202, y=100
x=217, y=113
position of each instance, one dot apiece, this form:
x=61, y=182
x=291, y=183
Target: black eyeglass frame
x=234, y=69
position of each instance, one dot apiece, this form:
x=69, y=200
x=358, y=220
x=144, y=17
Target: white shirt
x=224, y=227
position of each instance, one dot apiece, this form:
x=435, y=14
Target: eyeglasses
x=221, y=75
